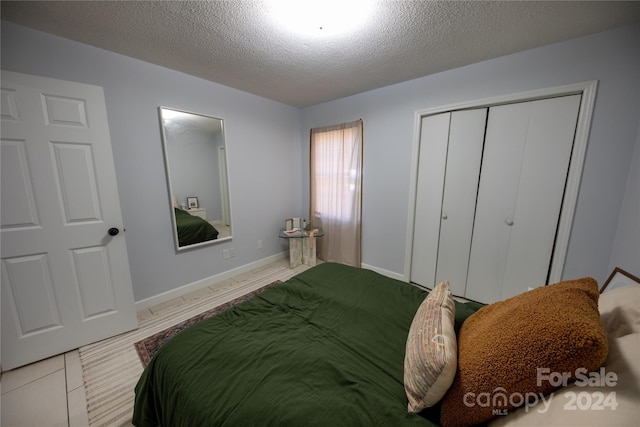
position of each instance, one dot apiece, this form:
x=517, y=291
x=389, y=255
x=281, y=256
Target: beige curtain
x=336, y=191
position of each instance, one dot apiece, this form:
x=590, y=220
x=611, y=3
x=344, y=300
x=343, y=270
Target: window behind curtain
x=336, y=191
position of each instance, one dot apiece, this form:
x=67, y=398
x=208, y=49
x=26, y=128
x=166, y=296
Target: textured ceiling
x=235, y=43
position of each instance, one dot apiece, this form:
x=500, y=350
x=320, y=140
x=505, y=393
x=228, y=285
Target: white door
x=524, y=171
x=464, y=156
x=448, y=172
x=434, y=139
x=65, y=274
x=487, y=206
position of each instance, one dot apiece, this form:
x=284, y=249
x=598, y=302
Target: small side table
x=201, y=212
x=302, y=246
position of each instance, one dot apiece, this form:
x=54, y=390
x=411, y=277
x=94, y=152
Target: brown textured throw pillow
x=518, y=349
x=431, y=354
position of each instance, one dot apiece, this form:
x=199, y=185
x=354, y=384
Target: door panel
x=433, y=149
x=64, y=111
x=30, y=294
x=66, y=282
x=464, y=155
x=527, y=152
x=16, y=186
x=76, y=182
x=542, y=183
x=501, y=163
x=94, y=283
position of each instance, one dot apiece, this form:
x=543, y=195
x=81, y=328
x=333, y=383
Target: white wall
x=263, y=140
x=611, y=57
x=626, y=248
x=193, y=167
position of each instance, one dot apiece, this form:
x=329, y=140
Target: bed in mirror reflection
x=197, y=178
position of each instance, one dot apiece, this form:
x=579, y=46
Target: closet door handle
x=509, y=222
x=444, y=215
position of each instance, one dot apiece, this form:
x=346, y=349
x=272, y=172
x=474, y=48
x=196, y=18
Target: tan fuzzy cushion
x=431, y=353
x=502, y=345
x=612, y=402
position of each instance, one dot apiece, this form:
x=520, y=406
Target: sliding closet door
x=526, y=157
x=448, y=171
x=464, y=154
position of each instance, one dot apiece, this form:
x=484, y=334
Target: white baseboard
x=388, y=273
x=208, y=281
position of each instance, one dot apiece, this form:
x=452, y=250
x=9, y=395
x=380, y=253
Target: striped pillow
x=431, y=360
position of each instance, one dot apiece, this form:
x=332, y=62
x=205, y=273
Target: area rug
x=148, y=347
x=111, y=368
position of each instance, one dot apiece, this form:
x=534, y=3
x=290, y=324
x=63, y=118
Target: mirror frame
x=165, y=149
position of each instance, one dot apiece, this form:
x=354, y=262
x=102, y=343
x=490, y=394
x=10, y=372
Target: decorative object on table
x=618, y=278
x=192, y=202
x=311, y=232
x=293, y=224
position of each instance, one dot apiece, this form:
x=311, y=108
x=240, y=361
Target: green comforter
x=325, y=348
x=193, y=229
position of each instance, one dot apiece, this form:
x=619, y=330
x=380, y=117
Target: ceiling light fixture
x=320, y=18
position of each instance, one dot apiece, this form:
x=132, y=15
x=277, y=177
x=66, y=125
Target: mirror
x=195, y=160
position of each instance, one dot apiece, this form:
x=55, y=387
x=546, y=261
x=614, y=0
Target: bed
x=193, y=229
x=328, y=347
x=323, y=348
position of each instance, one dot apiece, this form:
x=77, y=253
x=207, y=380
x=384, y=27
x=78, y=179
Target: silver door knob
x=444, y=216
x=509, y=222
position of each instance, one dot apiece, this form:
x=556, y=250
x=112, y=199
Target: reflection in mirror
x=195, y=160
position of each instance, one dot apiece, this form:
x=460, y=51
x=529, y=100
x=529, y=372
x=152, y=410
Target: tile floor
x=51, y=392
x=45, y=393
